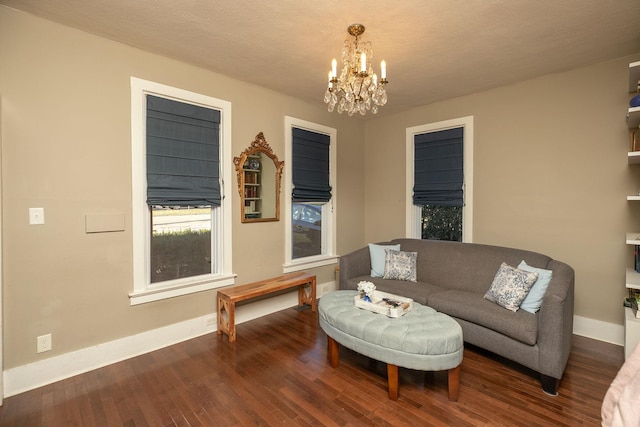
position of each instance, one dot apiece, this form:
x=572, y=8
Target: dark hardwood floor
x=277, y=374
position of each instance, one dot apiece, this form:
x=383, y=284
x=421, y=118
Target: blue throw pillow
x=376, y=252
x=533, y=301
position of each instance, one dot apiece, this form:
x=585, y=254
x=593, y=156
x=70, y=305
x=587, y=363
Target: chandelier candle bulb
x=334, y=68
x=383, y=69
x=363, y=62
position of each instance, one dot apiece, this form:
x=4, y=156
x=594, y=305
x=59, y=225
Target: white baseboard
x=598, y=330
x=33, y=375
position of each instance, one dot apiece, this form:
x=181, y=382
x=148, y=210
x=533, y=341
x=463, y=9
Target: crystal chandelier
x=357, y=90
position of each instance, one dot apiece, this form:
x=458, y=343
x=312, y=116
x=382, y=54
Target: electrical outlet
x=43, y=343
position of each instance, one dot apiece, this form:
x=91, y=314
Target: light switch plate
x=36, y=216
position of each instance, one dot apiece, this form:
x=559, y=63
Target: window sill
x=309, y=262
x=150, y=295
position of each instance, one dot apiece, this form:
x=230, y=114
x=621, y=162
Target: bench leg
x=305, y=297
x=392, y=379
x=222, y=323
x=333, y=352
x=454, y=383
x=226, y=318
x=314, y=301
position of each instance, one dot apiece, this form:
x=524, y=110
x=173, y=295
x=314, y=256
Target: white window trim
x=414, y=212
x=329, y=215
x=143, y=290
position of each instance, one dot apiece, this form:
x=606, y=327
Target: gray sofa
x=453, y=277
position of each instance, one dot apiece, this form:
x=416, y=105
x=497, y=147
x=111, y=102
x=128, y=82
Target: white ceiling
x=435, y=49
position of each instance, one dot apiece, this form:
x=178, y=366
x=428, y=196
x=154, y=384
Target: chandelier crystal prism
x=357, y=89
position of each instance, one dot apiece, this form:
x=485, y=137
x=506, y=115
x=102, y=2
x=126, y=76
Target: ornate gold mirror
x=259, y=172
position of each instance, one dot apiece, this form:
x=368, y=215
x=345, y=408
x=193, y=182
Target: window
x=181, y=211
x=439, y=177
x=310, y=195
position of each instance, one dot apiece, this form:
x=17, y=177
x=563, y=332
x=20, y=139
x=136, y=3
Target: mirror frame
x=259, y=145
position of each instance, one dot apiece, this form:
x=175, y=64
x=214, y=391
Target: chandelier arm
x=361, y=87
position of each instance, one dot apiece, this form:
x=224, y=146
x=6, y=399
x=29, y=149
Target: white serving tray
x=380, y=306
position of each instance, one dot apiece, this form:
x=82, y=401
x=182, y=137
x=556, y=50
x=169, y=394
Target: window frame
x=328, y=255
x=413, y=212
x=221, y=227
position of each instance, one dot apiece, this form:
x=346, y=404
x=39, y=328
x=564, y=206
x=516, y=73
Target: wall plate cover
x=36, y=216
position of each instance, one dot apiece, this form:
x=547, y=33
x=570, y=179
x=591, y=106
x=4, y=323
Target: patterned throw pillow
x=400, y=265
x=510, y=286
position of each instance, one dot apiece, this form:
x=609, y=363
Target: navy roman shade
x=310, y=167
x=183, y=154
x=438, y=168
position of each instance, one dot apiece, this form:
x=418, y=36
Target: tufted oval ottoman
x=423, y=339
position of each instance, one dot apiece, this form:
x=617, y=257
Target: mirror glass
x=259, y=172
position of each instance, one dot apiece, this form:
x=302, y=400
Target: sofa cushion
x=533, y=301
x=472, y=307
x=510, y=286
x=376, y=252
x=400, y=265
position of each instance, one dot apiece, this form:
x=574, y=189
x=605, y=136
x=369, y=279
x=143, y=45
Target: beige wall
x=550, y=174
x=66, y=147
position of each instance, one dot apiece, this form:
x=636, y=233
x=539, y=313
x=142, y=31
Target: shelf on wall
x=633, y=238
x=631, y=324
x=633, y=279
x=634, y=157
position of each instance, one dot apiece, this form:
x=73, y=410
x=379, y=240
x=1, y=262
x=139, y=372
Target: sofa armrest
x=354, y=264
x=555, y=320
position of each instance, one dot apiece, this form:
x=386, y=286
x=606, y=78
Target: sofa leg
x=549, y=385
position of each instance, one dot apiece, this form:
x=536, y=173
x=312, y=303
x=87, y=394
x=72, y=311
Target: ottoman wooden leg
x=392, y=379
x=332, y=352
x=454, y=383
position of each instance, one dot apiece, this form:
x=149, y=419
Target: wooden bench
x=228, y=297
